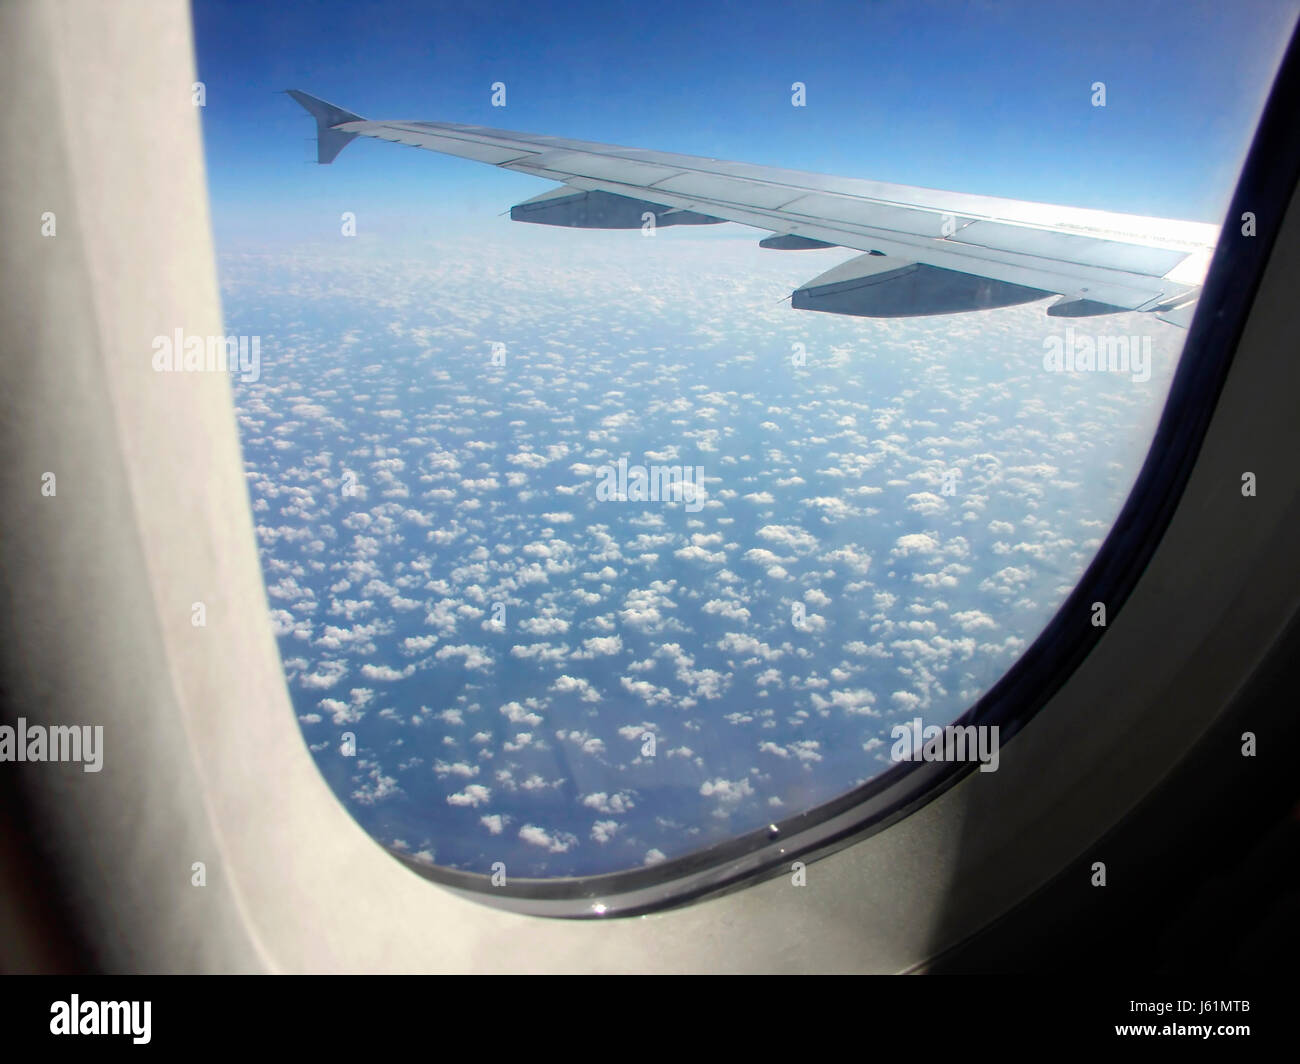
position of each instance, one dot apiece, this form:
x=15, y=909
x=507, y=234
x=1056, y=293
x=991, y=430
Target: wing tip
x=329, y=140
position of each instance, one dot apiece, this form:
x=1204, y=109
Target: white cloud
x=474, y=657
x=566, y=684
x=560, y=842
x=474, y=795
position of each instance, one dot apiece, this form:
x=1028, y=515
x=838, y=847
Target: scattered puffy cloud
x=397, y=527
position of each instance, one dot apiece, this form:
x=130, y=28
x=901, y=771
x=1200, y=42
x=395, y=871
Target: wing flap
x=1070, y=247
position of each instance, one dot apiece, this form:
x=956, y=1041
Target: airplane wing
x=923, y=251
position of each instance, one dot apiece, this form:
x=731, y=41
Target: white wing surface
x=923, y=251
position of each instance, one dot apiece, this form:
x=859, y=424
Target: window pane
x=497, y=650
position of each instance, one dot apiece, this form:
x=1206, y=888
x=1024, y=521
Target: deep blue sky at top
x=989, y=97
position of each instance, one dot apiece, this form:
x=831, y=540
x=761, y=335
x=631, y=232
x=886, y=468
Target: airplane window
x=587, y=546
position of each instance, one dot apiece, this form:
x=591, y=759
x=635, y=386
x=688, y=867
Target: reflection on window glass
x=499, y=651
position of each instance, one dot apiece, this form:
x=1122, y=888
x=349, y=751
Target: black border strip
x=1268, y=181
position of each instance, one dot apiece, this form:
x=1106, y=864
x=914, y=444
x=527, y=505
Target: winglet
x=329, y=141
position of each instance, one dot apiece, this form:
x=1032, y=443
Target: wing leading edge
x=923, y=251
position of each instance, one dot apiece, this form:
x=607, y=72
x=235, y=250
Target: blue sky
x=986, y=97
